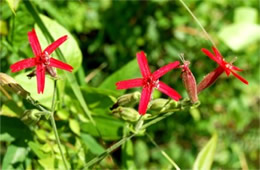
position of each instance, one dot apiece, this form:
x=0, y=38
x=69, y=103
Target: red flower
x=149, y=82
x=42, y=60
x=223, y=66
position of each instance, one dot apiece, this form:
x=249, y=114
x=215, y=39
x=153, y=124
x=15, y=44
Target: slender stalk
x=108, y=151
x=198, y=22
x=122, y=141
x=54, y=124
x=162, y=152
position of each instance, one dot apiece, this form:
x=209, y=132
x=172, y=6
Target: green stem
x=108, y=151
x=162, y=152
x=122, y=141
x=198, y=22
x=54, y=124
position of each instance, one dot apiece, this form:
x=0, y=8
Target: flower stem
x=162, y=152
x=54, y=124
x=198, y=22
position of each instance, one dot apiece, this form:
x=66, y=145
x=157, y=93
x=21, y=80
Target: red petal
x=145, y=99
x=143, y=64
x=36, y=47
x=40, y=74
x=236, y=68
x=163, y=70
x=169, y=91
x=217, y=53
x=211, y=56
x=23, y=64
x=55, y=44
x=59, y=64
x=239, y=77
x=132, y=83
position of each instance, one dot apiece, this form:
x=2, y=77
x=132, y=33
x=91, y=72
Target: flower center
x=227, y=65
x=45, y=58
x=151, y=82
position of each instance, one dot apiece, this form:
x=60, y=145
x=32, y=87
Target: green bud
x=158, y=105
x=173, y=104
x=31, y=116
x=162, y=105
x=126, y=113
x=127, y=100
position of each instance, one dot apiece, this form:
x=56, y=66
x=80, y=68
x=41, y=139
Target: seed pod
x=126, y=113
x=189, y=81
x=127, y=100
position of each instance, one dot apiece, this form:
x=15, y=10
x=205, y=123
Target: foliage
x=104, y=37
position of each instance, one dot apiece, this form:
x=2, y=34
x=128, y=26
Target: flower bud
x=189, y=81
x=127, y=100
x=210, y=78
x=31, y=116
x=159, y=105
x=126, y=113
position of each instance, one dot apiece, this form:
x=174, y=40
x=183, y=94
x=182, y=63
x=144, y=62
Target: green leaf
x=36, y=148
x=92, y=144
x=14, y=154
x=141, y=153
x=10, y=108
x=47, y=163
x=74, y=126
x=69, y=48
x=99, y=100
x=110, y=129
x=128, y=155
x=15, y=128
x=245, y=15
x=129, y=71
x=3, y=28
x=13, y=4
x=30, y=85
x=244, y=31
x=239, y=36
x=206, y=155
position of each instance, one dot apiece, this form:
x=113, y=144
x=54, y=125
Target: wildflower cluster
x=150, y=81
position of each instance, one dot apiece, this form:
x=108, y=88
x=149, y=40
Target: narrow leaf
x=206, y=155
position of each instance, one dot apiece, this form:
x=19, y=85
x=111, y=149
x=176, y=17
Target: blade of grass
x=71, y=78
x=198, y=22
x=163, y=153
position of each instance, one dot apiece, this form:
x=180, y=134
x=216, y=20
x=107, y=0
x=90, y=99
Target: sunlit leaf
x=31, y=86
x=243, y=32
x=130, y=70
x=14, y=154
x=13, y=4
x=206, y=155
x=74, y=126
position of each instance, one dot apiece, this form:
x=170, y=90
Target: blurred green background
x=109, y=34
